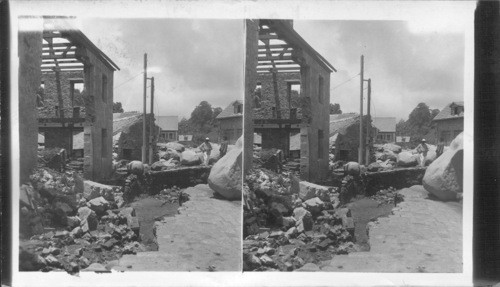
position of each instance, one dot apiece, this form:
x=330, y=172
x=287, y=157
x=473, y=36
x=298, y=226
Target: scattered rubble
x=67, y=223
x=290, y=223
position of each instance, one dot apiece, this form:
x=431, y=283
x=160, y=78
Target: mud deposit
x=148, y=210
x=363, y=211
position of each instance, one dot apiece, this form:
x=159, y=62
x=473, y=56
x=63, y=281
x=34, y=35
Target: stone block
x=309, y=190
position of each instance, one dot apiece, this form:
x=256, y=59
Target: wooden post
x=144, y=143
x=251, y=45
x=368, y=123
x=151, y=122
x=360, y=149
x=276, y=93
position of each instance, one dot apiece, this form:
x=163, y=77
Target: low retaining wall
x=180, y=177
x=397, y=178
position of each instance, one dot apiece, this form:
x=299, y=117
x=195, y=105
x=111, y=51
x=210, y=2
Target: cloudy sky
x=191, y=60
x=408, y=62
x=195, y=60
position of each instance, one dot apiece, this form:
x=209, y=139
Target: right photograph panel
x=353, y=137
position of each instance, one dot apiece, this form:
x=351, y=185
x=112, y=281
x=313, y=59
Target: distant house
x=169, y=128
x=386, y=129
x=127, y=134
x=344, y=136
x=185, y=138
x=402, y=139
x=230, y=122
x=449, y=122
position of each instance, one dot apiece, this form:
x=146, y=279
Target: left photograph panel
x=130, y=144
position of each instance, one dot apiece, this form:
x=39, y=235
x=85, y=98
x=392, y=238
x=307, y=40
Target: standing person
x=223, y=147
x=206, y=148
x=422, y=149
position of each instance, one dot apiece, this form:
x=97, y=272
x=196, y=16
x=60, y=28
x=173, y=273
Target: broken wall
x=267, y=99
x=30, y=60
x=50, y=95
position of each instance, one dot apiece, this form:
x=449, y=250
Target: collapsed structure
x=288, y=84
x=75, y=95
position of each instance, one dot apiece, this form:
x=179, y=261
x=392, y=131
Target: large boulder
x=169, y=154
x=175, y=146
x=388, y=155
x=352, y=168
x=135, y=167
x=190, y=157
x=225, y=175
x=392, y=147
x=444, y=177
x=407, y=159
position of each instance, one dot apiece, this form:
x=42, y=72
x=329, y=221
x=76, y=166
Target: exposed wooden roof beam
x=272, y=58
x=268, y=37
x=54, y=57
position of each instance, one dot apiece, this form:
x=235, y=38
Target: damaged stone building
x=344, y=136
x=127, y=134
x=288, y=87
x=74, y=94
x=230, y=122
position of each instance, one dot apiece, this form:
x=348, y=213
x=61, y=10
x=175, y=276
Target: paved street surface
x=205, y=236
x=423, y=235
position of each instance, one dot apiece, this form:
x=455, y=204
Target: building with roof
x=230, y=122
x=74, y=95
x=449, y=122
x=385, y=129
x=127, y=135
x=288, y=87
x=169, y=128
x=344, y=136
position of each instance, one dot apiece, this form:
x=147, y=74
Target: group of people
x=206, y=149
x=423, y=149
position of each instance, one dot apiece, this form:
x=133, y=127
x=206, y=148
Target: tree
x=335, y=109
x=434, y=113
x=201, y=117
x=418, y=123
x=184, y=126
x=216, y=111
x=117, y=107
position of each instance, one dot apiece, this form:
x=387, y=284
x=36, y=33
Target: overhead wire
x=348, y=80
x=123, y=83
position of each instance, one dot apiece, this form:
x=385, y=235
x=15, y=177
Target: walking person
x=223, y=147
x=422, y=150
x=206, y=149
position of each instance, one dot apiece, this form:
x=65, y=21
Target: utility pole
x=369, y=122
x=360, y=149
x=151, y=121
x=144, y=142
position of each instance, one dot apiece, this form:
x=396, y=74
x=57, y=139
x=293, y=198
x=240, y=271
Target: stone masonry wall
x=267, y=101
x=30, y=59
x=50, y=95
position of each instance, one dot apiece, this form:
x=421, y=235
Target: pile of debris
x=72, y=224
x=388, y=196
x=172, y=195
x=291, y=224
